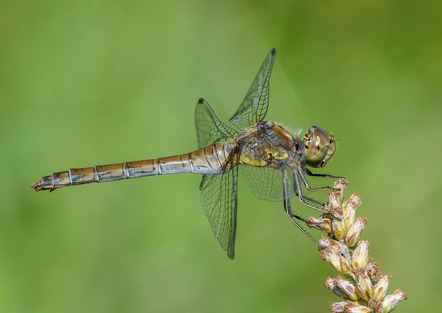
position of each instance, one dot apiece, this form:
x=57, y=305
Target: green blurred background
x=96, y=82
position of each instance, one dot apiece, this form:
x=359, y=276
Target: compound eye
x=319, y=146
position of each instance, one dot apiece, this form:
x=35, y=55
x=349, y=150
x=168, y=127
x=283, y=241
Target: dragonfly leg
x=307, y=184
x=310, y=173
x=304, y=199
x=287, y=207
x=310, y=199
x=314, y=201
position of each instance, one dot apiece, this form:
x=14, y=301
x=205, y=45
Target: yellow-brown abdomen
x=203, y=161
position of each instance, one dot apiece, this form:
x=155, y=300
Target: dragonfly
x=274, y=161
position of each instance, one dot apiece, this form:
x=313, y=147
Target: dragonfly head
x=320, y=146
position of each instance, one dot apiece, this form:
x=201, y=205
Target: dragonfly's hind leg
x=287, y=207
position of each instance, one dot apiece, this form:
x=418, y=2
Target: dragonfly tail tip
x=36, y=186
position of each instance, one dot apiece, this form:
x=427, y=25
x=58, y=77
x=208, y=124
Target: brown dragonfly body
x=273, y=161
x=207, y=161
x=202, y=161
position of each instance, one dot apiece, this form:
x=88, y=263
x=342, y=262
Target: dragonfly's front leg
x=310, y=173
x=287, y=207
x=307, y=184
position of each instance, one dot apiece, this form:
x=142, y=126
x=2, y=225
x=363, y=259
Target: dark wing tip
x=273, y=52
x=201, y=100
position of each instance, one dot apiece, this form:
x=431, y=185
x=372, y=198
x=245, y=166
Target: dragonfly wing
x=219, y=196
x=256, y=102
x=209, y=128
x=266, y=182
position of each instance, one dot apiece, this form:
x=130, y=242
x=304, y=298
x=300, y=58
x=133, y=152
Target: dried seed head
x=373, y=270
x=325, y=242
x=336, y=260
x=360, y=257
x=332, y=284
x=336, y=212
x=355, y=230
x=334, y=199
x=339, y=230
x=342, y=288
x=349, y=256
x=364, y=285
x=348, y=289
x=341, y=184
x=391, y=301
x=352, y=307
x=321, y=223
x=354, y=201
x=351, y=205
x=381, y=287
x=338, y=307
x=375, y=305
x=333, y=244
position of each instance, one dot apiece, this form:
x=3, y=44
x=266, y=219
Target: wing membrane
x=209, y=128
x=219, y=197
x=266, y=183
x=256, y=102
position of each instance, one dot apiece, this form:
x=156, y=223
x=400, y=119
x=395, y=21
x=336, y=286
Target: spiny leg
x=302, y=198
x=307, y=184
x=288, y=209
x=310, y=173
x=312, y=200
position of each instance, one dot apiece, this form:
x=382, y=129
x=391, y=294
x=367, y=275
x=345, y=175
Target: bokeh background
x=96, y=82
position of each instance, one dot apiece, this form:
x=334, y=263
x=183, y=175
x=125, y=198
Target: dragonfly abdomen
x=99, y=173
x=203, y=161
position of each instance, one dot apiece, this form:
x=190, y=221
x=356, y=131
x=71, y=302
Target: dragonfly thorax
x=320, y=146
x=266, y=144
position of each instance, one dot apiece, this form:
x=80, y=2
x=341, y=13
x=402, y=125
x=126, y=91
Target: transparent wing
x=219, y=196
x=209, y=129
x=256, y=102
x=265, y=182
